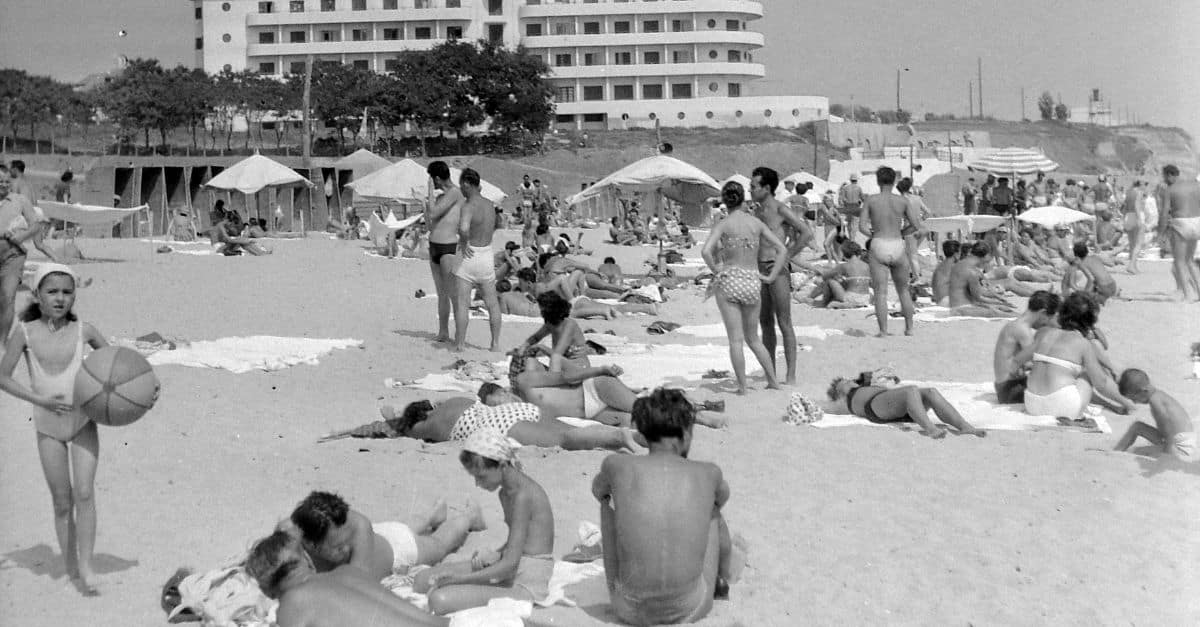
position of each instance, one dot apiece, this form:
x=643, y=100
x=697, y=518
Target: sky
x=1144, y=56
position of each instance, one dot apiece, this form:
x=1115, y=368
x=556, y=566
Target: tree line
x=445, y=89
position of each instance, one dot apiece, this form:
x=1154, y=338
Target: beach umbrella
x=1053, y=216
x=819, y=184
x=407, y=181
x=675, y=179
x=740, y=179
x=361, y=162
x=255, y=173
x=1013, y=161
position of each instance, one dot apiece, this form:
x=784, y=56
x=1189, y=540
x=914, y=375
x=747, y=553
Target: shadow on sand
x=42, y=560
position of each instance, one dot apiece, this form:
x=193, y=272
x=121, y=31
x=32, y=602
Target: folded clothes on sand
x=244, y=354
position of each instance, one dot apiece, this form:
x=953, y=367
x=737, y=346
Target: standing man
x=476, y=226
x=1002, y=198
x=525, y=195
x=777, y=296
x=831, y=222
x=12, y=253
x=852, y=203
x=883, y=224
x=969, y=192
x=441, y=216
x=20, y=184
x=1179, y=221
x=1038, y=192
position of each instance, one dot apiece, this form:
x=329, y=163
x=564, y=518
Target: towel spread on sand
x=244, y=354
x=201, y=251
x=717, y=330
x=497, y=613
x=676, y=365
x=937, y=313
x=564, y=574
x=463, y=379
x=977, y=404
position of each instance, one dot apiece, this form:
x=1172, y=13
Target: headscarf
x=493, y=445
x=46, y=269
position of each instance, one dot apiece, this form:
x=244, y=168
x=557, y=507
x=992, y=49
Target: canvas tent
x=406, y=181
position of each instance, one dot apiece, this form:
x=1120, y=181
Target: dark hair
x=1080, y=249
x=537, y=180
x=542, y=229
x=766, y=177
x=1133, y=381
x=610, y=260
x=511, y=245
x=904, y=185
x=438, y=170
x=219, y=205
x=544, y=258
x=1078, y=312
x=1003, y=179
x=832, y=391
x=1168, y=170
x=317, y=513
x=18, y=165
x=733, y=194
x=683, y=228
x=1043, y=300
x=665, y=413
x=469, y=460
x=469, y=177
x=488, y=389
x=262, y=563
x=414, y=412
x=503, y=286
x=33, y=311
x=851, y=248
x=981, y=249
x=527, y=274
x=554, y=308
x=950, y=247
x=67, y=176
x=885, y=175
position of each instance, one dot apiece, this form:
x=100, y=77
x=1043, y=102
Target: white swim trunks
x=592, y=405
x=479, y=268
x=1188, y=228
x=1183, y=446
x=403, y=543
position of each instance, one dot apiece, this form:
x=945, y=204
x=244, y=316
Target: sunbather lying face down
x=900, y=404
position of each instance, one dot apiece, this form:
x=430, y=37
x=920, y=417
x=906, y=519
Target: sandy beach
x=845, y=526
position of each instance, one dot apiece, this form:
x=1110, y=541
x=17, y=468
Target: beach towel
x=564, y=574
x=497, y=613
x=675, y=365
x=244, y=354
x=717, y=330
x=975, y=401
x=482, y=314
x=225, y=597
x=937, y=313
x=464, y=378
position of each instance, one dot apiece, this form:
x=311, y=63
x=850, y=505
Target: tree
x=1061, y=112
x=281, y=99
x=512, y=88
x=138, y=99
x=340, y=93
x=194, y=93
x=1045, y=105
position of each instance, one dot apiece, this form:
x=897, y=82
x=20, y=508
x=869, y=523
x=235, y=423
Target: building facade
x=615, y=63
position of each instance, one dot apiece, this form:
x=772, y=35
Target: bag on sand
x=802, y=411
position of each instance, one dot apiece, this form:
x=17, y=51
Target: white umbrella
x=974, y=223
x=740, y=179
x=819, y=184
x=408, y=181
x=87, y=215
x=1015, y=161
x=1053, y=216
x=255, y=173
x=361, y=162
x=675, y=179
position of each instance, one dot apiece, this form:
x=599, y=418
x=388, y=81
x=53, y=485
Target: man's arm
x=32, y=224
x=363, y=543
x=464, y=231
x=803, y=233
x=602, y=484
x=442, y=205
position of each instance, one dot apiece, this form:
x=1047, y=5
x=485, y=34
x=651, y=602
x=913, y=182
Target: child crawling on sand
x=1173, y=429
x=667, y=550
x=522, y=566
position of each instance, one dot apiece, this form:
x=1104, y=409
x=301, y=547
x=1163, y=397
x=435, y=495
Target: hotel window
x=564, y=94
x=533, y=30
x=297, y=67
x=199, y=13
x=681, y=26
x=266, y=38
x=453, y=32
x=297, y=37
x=652, y=92
x=423, y=4
x=199, y=43
x=533, y=2
x=391, y=5
x=593, y=92
x=331, y=35
x=495, y=7
x=735, y=56
x=590, y=58
x=651, y=58
x=564, y=28
x=266, y=68
x=391, y=65
x=423, y=32
x=593, y=117
x=681, y=90
x=453, y=4
x=591, y=28
x=735, y=90
x=266, y=7
x=622, y=92
x=362, y=64
x=681, y=56
x=650, y=26
x=359, y=5
x=328, y=5
x=360, y=34
x=731, y=24
x=562, y=60
x=564, y=119
x=391, y=34
x=622, y=58
x=621, y=28
x=296, y=6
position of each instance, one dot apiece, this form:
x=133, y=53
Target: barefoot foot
x=936, y=433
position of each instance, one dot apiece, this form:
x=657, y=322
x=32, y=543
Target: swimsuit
x=736, y=285
x=438, y=250
x=403, y=542
x=1183, y=446
x=478, y=268
x=63, y=428
x=888, y=251
x=592, y=405
x=499, y=418
x=638, y=607
x=869, y=413
x=1066, y=402
x=1188, y=228
x=533, y=575
x=1070, y=366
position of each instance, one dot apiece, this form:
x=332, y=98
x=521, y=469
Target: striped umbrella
x=1013, y=161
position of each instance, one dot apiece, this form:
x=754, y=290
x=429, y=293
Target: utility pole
x=306, y=133
x=971, y=98
x=1022, y=104
x=980, y=77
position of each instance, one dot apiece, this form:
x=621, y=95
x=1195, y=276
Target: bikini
x=868, y=413
x=736, y=284
x=1065, y=402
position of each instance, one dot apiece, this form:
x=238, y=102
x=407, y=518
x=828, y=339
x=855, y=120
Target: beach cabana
x=677, y=180
x=254, y=174
x=407, y=182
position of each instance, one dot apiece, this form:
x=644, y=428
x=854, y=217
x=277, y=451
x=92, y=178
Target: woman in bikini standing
x=736, y=281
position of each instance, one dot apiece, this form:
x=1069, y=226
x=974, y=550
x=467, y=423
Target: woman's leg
x=457, y=598
x=56, y=468
x=879, y=277
x=947, y=413
x=614, y=393
x=589, y=309
x=731, y=315
x=899, y=403
x=750, y=333
x=1135, y=248
x=422, y=579
x=85, y=453
x=900, y=276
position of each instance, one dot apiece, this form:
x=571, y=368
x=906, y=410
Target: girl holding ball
x=51, y=339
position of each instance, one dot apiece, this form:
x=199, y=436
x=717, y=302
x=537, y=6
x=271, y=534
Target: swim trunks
x=533, y=576
x=888, y=251
x=1011, y=392
x=1183, y=446
x=852, y=209
x=478, y=268
x=638, y=607
x=403, y=542
x=736, y=285
x=437, y=251
x=765, y=267
x=500, y=418
x=592, y=405
x=1188, y=228
x=1132, y=221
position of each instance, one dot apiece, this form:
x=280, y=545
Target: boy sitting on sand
x=666, y=546
x=1100, y=283
x=335, y=535
x=1173, y=429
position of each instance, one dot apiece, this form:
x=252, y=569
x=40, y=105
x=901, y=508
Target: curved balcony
x=742, y=37
x=551, y=8
x=711, y=69
x=354, y=17
x=341, y=47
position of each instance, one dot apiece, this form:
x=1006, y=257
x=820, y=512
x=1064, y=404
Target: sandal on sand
x=716, y=374
x=583, y=554
x=1082, y=423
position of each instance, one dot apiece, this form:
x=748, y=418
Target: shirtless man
x=441, y=216
x=344, y=596
x=912, y=243
x=1015, y=337
x=851, y=197
x=1026, y=251
x=667, y=549
x=777, y=296
x=1100, y=283
x=967, y=294
x=941, y=274
x=335, y=535
x=882, y=219
x=12, y=253
x=476, y=226
x=1179, y=223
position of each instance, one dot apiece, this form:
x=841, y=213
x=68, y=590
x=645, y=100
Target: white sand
x=846, y=526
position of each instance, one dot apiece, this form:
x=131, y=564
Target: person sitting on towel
x=848, y=285
x=1016, y=337
x=611, y=272
x=335, y=535
x=868, y=398
x=342, y=596
x=968, y=295
x=667, y=549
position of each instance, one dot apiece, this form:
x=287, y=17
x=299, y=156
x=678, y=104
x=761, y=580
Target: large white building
x=615, y=63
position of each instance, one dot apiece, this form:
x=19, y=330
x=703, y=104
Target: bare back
x=963, y=275
x=437, y=426
x=478, y=213
x=1014, y=337
x=443, y=229
x=739, y=238
x=344, y=597
x=1183, y=199
x=886, y=212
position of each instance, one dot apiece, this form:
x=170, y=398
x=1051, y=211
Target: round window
x=228, y=68
x=225, y=6
x=711, y=23
x=737, y=113
x=226, y=38
x=624, y=116
x=709, y=115
x=795, y=113
x=653, y=116
x=767, y=113
x=712, y=54
x=713, y=87
x=681, y=115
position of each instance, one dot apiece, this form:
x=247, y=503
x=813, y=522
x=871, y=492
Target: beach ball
x=115, y=386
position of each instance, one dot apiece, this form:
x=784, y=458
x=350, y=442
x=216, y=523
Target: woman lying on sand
x=523, y=302
x=907, y=403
